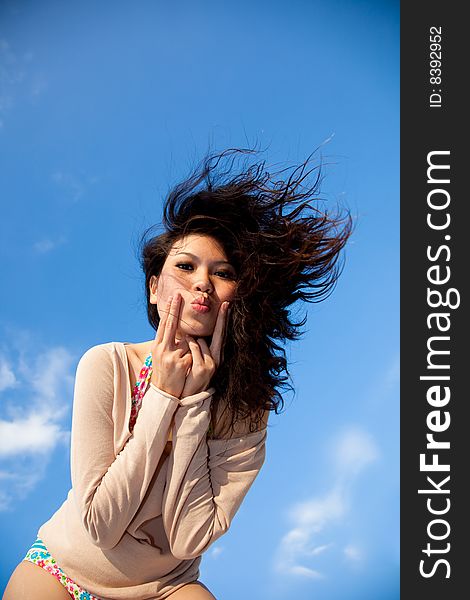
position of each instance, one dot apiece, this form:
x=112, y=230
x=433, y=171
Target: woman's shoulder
x=108, y=353
x=100, y=380
x=101, y=354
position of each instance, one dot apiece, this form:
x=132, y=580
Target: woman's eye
x=225, y=274
x=222, y=274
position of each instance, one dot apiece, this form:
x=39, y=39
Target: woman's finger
x=205, y=350
x=172, y=322
x=195, y=349
x=183, y=347
x=218, y=335
x=163, y=320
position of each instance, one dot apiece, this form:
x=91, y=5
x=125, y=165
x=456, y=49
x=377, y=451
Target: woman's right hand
x=171, y=358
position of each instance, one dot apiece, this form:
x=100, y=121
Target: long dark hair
x=284, y=249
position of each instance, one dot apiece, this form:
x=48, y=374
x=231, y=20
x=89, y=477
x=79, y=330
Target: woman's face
x=196, y=267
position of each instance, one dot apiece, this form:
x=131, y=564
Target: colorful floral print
x=39, y=555
x=139, y=390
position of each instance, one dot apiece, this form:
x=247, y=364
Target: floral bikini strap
x=139, y=389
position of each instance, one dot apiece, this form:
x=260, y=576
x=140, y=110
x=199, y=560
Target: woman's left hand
x=205, y=359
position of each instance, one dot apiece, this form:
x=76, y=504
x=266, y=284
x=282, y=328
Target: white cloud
x=353, y=553
x=38, y=85
x=74, y=186
x=19, y=484
x=33, y=411
x=312, y=520
x=355, y=449
x=319, y=549
x=7, y=377
x=70, y=183
x=304, y=572
x=18, y=77
x=316, y=512
x=46, y=244
x=51, y=380
x=215, y=552
x=35, y=434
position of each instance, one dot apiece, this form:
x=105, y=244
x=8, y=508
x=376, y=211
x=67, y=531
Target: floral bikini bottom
x=38, y=553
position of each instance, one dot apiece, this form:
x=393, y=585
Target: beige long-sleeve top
x=135, y=523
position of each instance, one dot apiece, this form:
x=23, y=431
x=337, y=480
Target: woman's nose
x=203, y=284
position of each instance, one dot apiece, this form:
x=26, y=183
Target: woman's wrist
x=165, y=386
x=190, y=399
x=164, y=392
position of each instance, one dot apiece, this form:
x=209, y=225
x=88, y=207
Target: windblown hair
x=284, y=249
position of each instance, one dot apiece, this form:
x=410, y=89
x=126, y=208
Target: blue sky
x=103, y=106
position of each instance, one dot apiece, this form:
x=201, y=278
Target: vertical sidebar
x=434, y=274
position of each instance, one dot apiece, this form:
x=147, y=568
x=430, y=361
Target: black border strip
x=434, y=271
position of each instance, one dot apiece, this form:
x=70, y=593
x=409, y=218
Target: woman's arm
x=108, y=489
x=207, y=480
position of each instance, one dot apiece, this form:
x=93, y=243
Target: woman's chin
x=197, y=331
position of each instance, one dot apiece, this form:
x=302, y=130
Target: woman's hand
x=205, y=360
x=171, y=358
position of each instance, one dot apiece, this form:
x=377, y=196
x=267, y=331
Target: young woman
x=169, y=434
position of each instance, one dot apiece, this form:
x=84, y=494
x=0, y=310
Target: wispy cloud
x=215, y=552
x=70, y=184
x=7, y=377
x=46, y=244
x=73, y=186
x=18, y=77
x=313, y=520
x=353, y=553
x=33, y=408
x=384, y=385
x=19, y=483
x=353, y=450
x=38, y=85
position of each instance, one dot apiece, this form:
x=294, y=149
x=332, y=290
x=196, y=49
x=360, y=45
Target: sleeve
x=109, y=489
x=207, y=479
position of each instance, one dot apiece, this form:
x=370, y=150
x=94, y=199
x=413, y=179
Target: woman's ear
x=153, y=285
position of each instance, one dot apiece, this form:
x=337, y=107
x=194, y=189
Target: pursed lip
x=201, y=302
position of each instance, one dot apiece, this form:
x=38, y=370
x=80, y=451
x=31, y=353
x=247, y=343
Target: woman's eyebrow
x=197, y=258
